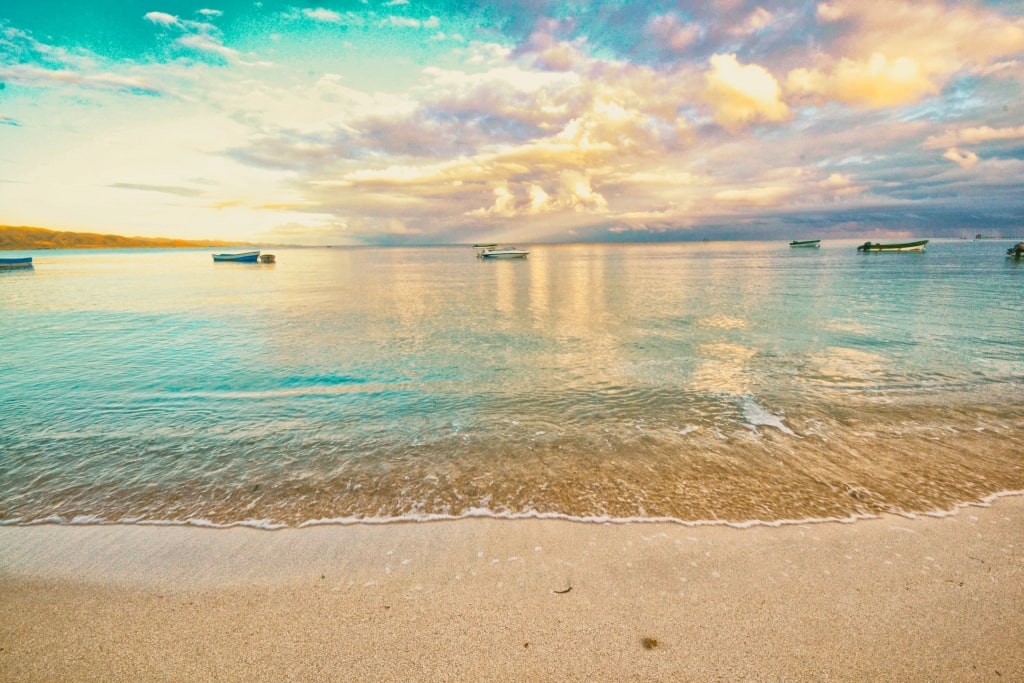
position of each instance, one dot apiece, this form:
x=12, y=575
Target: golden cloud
x=875, y=82
x=570, y=191
x=900, y=52
x=742, y=93
x=840, y=185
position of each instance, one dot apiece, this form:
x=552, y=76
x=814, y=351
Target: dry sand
x=891, y=599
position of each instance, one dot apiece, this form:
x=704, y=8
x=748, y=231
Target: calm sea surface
x=704, y=382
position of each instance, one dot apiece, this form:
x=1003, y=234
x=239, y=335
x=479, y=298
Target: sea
x=735, y=383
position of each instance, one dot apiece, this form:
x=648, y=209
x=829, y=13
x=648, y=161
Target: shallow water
x=699, y=382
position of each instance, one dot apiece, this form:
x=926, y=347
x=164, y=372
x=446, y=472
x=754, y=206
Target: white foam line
x=485, y=513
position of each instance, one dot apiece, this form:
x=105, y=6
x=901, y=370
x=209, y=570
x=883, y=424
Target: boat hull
x=905, y=246
x=244, y=257
x=805, y=244
x=10, y=263
x=504, y=254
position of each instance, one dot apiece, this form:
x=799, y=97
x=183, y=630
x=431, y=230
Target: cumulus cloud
x=570, y=191
x=549, y=51
x=897, y=53
x=874, y=82
x=756, y=21
x=742, y=94
x=672, y=33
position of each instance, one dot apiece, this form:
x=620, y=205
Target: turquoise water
x=698, y=382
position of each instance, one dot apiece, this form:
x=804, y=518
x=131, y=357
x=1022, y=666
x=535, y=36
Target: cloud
x=840, y=185
x=408, y=22
x=961, y=158
x=672, y=33
x=755, y=196
x=973, y=135
x=570, y=191
x=954, y=139
x=162, y=18
x=742, y=94
x=26, y=74
x=164, y=189
x=549, y=51
x=875, y=82
x=890, y=54
x=197, y=36
x=321, y=14
x=756, y=21
x=201, y=42
x=830, y=12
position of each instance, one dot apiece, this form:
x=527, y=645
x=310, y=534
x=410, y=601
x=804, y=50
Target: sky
x=383, y=122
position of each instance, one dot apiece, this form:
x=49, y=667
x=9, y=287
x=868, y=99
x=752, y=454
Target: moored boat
x=1016, y=251
x=813, y=244
x=243, y=257
x=903, y=246
x=16, y=262
x=503, y=253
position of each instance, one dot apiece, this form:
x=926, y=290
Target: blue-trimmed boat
x=16, y=262
x=244, y=257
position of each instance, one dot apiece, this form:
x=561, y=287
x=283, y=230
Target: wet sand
x=536, y=600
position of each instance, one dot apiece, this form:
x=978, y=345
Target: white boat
x=903, y=246
x=481, y=248
x=503, y=253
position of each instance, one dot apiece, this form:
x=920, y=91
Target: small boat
x=904, y=246
x=19, y=262
x=503, y=253
x=813, y=244
x=1016, y=251
x=268, y=258
x=244, y=257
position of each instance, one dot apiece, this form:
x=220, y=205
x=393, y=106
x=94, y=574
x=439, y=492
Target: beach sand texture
x=888, y=599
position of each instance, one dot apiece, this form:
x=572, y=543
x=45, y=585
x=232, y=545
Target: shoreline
x=889, y=598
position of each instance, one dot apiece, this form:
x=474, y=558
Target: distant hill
x=39, y=238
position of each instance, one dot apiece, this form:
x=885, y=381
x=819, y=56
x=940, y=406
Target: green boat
x=813, y=244
x=904, y=246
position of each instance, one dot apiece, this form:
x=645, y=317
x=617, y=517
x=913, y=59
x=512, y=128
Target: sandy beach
x=894, y=598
